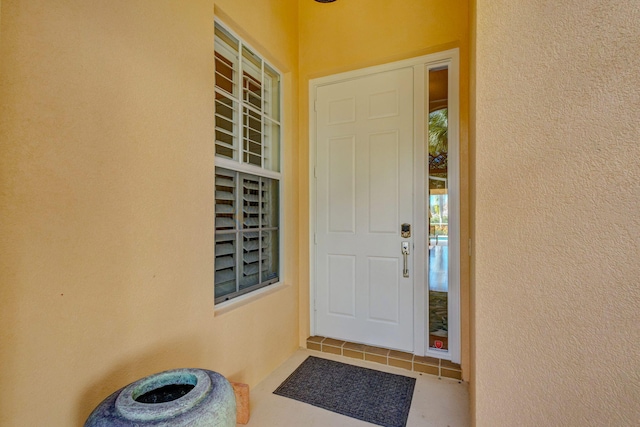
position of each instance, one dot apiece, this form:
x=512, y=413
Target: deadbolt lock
x=405, y=230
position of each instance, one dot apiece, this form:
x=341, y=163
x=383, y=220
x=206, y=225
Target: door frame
x=420, y=65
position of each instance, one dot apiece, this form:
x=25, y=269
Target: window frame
x=240, y=166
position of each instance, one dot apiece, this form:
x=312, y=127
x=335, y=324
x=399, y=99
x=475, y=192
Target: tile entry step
x=398, y=359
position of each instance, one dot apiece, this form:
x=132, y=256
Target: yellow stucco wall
x=348, y=35
x=106, y=174
x=106, y=187
x=557, y=285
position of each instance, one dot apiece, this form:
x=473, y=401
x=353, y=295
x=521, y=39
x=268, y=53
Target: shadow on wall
x=188, y=351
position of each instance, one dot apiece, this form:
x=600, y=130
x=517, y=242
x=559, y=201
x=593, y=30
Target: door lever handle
x=405, y=256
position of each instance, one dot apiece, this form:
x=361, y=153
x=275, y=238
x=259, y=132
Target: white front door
x=364, y=185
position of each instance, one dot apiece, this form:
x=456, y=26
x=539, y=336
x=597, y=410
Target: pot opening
x=164, y=387
x=165, y=393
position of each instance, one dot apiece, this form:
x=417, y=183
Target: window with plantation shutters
x=247, y=178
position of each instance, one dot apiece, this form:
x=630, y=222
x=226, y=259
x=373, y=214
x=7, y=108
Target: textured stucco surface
x=557, y=268
x=106, y=201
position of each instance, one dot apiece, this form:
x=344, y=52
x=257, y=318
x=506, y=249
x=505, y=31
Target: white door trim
x=420, y=65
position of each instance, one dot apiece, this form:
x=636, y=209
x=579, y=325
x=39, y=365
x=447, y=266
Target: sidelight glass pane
x=438, y=209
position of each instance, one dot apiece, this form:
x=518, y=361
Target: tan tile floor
x=437, y=402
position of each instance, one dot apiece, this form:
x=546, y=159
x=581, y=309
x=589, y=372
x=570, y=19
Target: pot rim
x=129, y=408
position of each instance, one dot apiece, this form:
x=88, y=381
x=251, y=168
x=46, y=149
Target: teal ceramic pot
x=176, y=398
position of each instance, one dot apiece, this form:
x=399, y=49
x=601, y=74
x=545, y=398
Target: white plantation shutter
x=247, y=139
x=251, y=201
x=225, y=249
x=246, y=212
x=247, y=92
x=226, y=93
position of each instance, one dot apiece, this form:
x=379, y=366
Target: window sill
x=227, y=306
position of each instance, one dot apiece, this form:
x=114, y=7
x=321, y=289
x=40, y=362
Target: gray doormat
x=365, y=394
